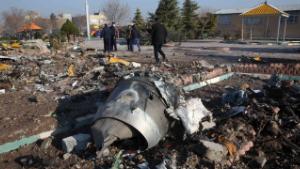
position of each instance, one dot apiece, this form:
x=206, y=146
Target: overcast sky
x=75, y=7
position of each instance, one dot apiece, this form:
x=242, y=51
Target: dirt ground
x=184, y=153
x=52, y=156
x=27, y=109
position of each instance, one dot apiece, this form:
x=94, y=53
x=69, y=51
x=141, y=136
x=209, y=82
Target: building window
x=252, y=21
x=293, y=19
x=224, y=20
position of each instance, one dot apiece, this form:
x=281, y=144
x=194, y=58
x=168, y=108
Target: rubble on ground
x=242, y=122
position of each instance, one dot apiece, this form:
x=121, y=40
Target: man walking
x=114, y=36
x=129, y=37
x=135, y=38
x=159, y=37
x=106, y=35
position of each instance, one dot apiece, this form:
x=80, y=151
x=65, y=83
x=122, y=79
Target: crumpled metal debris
x=134, y=109
x=235, y=98
x=141, y=107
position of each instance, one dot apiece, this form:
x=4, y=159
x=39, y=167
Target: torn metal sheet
x=195, y=86
x=14, y=58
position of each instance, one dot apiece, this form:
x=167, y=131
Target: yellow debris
x=4, y=67
x=5, y=45
x=16, y=45
x=244, y=86
x=118, y=60
x=231, y=147
x=257, y=58
x=71, y=71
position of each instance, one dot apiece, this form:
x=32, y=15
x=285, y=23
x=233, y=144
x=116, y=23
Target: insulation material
x=71, y=71
x=191, y=113
x=4, y=67
x=118, y=60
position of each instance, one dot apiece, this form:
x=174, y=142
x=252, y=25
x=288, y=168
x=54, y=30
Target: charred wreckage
x=144, y=107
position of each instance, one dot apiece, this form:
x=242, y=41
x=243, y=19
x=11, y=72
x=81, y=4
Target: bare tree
x=80, y=22
x=206, y=24
x=31, y=16
x=1, y=29
x=13, y=20
x=44, y=23
x=116, y=11
x=53, y=20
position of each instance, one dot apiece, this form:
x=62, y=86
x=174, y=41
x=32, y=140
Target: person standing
x=106, y=35
x=135, y=38
x=128, y=38
x=114, y=36
x=159, y=37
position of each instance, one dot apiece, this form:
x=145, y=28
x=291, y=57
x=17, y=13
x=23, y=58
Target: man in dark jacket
x=114, y=36
x=106, y=35
x=159, y=37
x=128, y=38
x=135, y=38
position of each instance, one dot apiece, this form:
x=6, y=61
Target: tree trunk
x=68, y=37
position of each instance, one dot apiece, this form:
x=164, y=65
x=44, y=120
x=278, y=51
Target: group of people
x=158, y=38
x=133, y=37
x=110, y=36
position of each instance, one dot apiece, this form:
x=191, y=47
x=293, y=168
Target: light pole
x=87, y=19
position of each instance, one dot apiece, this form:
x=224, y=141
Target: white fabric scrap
x=191, y=114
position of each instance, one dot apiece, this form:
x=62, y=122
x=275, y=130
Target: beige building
x=261, y=25
x=97, y=20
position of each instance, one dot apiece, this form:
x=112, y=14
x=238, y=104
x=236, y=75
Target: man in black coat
x=114, y=36
x=159, y=37
x=106, y=35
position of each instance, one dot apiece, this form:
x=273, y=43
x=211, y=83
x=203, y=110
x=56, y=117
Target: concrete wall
x=261, y=27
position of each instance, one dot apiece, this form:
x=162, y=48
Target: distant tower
x=87, y=20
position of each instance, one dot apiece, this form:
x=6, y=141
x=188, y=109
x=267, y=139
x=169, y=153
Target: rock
x=103, y=153
x=211, y=150
x=140, y=158
x=207, y=125
x=33, y=99
x=77, y=142
x=30, y=161
x=273, y=128
x=205, y=64
x=192, y=161
x=46, y=143
x=275, y=110
x=273, y=146
x=106, y=152
x=66, y=156
x=2, y=91
x=261, y=159
x=26, y=161
x=144, y=165
x=245, y=147
x=135, y=65
x=162, y=165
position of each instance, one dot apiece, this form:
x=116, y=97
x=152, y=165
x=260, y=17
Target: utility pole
x=87, y=19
